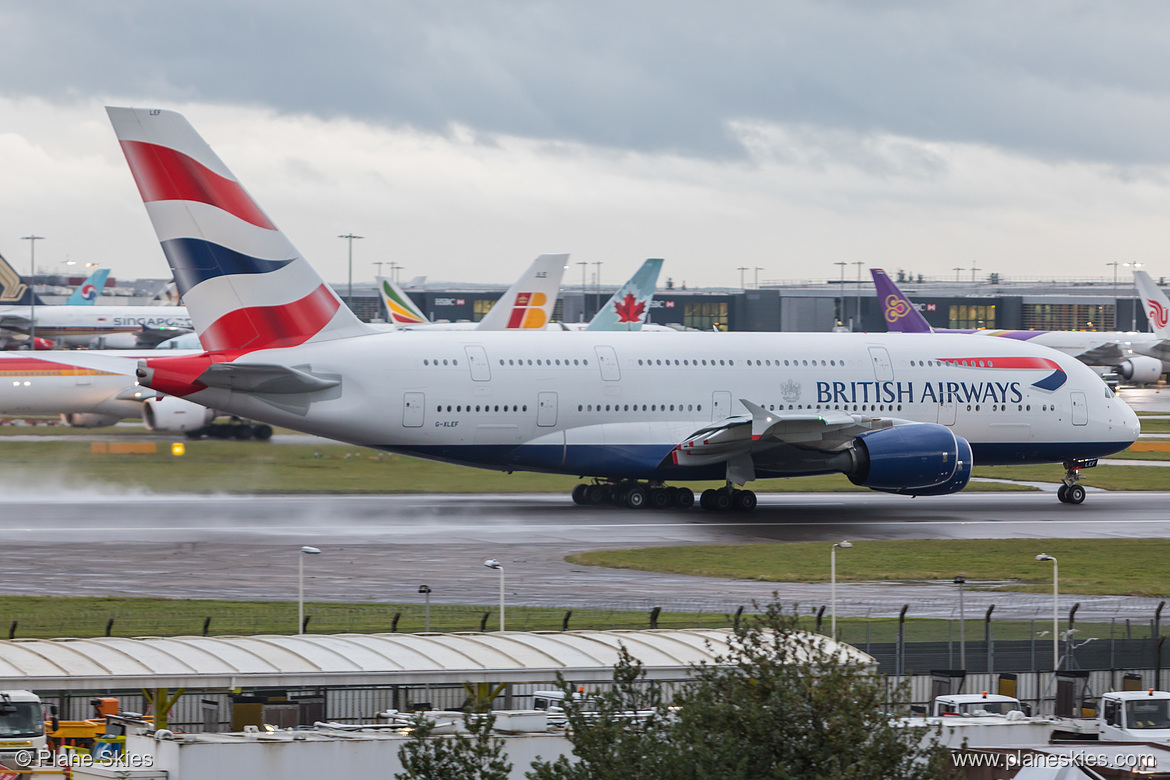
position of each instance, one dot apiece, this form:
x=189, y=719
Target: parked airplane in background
x=1158, y=313
x=88, y=291
x=65, y=324
x=1113, y=350
x=899, y=414
x=527, y=305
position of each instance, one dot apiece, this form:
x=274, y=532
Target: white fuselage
x=54, y=322
x=616, y=404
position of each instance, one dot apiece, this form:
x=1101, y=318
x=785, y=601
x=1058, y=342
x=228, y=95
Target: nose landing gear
x=1070, y=492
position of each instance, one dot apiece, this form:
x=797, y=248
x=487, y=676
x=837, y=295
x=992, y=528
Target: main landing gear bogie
x=633, y=495
x=724, y=499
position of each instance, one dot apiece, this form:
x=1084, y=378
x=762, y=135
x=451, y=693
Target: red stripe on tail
x=265, y=327
x=165, y=174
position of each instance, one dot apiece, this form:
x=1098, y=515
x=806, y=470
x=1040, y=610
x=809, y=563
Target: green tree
x=476, y=755
x=781, y=703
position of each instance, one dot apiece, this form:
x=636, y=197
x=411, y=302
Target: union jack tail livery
x=245, y=285
x=629, y=308
x=1155, y=302
x=900, y=314
x=528, y=304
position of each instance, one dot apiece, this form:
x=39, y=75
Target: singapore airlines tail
x=89, y=290
x=400, y=309
x=1155, y=302
x=528, y=304
x=245, y=285
x=13, y=290
x=900, y=314
x=629, y=307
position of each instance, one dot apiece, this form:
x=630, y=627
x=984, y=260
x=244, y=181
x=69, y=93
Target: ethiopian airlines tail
x=528, y=304
x=88, y=291
x=1157, y=306
x=245, y=285
x=629, y=307
x=400, y=309
x=13, y=290
x=900, y=314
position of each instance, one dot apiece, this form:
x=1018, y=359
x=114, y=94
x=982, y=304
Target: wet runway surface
x=381, y=548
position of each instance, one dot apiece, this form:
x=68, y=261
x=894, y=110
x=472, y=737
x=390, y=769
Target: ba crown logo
x=1158, y=314
x=896, y=308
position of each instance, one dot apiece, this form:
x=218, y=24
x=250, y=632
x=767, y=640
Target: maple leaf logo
x=629, y=310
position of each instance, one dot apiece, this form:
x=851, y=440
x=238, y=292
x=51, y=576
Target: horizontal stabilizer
x=264, y=378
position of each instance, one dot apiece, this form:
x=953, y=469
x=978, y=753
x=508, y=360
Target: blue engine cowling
x=915, y=460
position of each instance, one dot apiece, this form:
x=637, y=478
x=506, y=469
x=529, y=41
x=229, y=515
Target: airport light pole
x=350, y=237
x=301, y=586
x=960, y=581
x=1133, y=309
x=957, y=269
x=841, y=310
x=1055, y=609
x=379, y=264
x=741, y=269
x=584, y=267
x=394, y=269
x=492, y=563
x=859, y=263
x=973, y=270
x=598, y=281
x=425, y=589
x=833, y=585
x=758, y=269
x=32, y=292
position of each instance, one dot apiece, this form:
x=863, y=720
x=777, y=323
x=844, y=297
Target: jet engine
x=1140, y=369
x=920, y=459
x=174, y=414
x=89, y=420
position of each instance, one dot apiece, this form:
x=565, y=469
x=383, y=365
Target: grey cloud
x=1058, y=80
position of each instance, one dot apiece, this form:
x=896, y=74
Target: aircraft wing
x=14, y=321
x=741, y=440
x=1109, y=354
x=1158, y=349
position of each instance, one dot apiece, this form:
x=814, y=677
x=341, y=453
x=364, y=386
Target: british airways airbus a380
x=900, y=414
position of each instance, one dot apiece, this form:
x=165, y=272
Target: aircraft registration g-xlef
x=900, y=414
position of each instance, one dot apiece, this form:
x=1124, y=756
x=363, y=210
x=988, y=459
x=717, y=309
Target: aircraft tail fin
x=900, y=314
x=88, y=291
x=528, y=304
x=245, y=285
x=629, y=307
x=400, y=309
x=1155, y=302
x=13, y=290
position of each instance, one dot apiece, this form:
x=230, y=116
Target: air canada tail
x=629, y=307
x=528, y=304
x=13, y=290
x=245, y=285
x=900, y=314
x=1155, y=302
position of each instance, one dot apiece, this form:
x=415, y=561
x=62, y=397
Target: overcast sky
x=464, y=138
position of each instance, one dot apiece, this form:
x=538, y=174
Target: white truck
x=1134, y=716
x=977, y=705
x=22, y=729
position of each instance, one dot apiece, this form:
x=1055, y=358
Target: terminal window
x=965, y=316
x=1068, y=316
x=705, y=315
x=480, y=307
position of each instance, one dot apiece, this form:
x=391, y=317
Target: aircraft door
x=546, y=410
x=1080, y=409
x=413, y=410
x=477, y=359
x=883, y=369
x=720, y=405
x=607, y=359
x=946, y=412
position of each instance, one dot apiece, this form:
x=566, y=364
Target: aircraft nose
x=1129, y=420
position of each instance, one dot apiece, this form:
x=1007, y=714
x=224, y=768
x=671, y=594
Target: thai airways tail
x=89, y=290
x=245, y=285
x=13, y=290
x=528, y=304
x=400, y=309
x=629, y=307
x=900, y=314
x=1155, y=302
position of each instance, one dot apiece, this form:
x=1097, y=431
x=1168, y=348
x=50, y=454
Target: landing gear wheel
x=1074, y=495
x=1062, y=494
x=684, y=498
x=744, y=500
x=242, y=432
x=262, y=432
x=636, y=497
x=596, y=494
x=578, y=494
x=707, y=499
x=659, y=498
x=196, y=434
x=722, y=500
